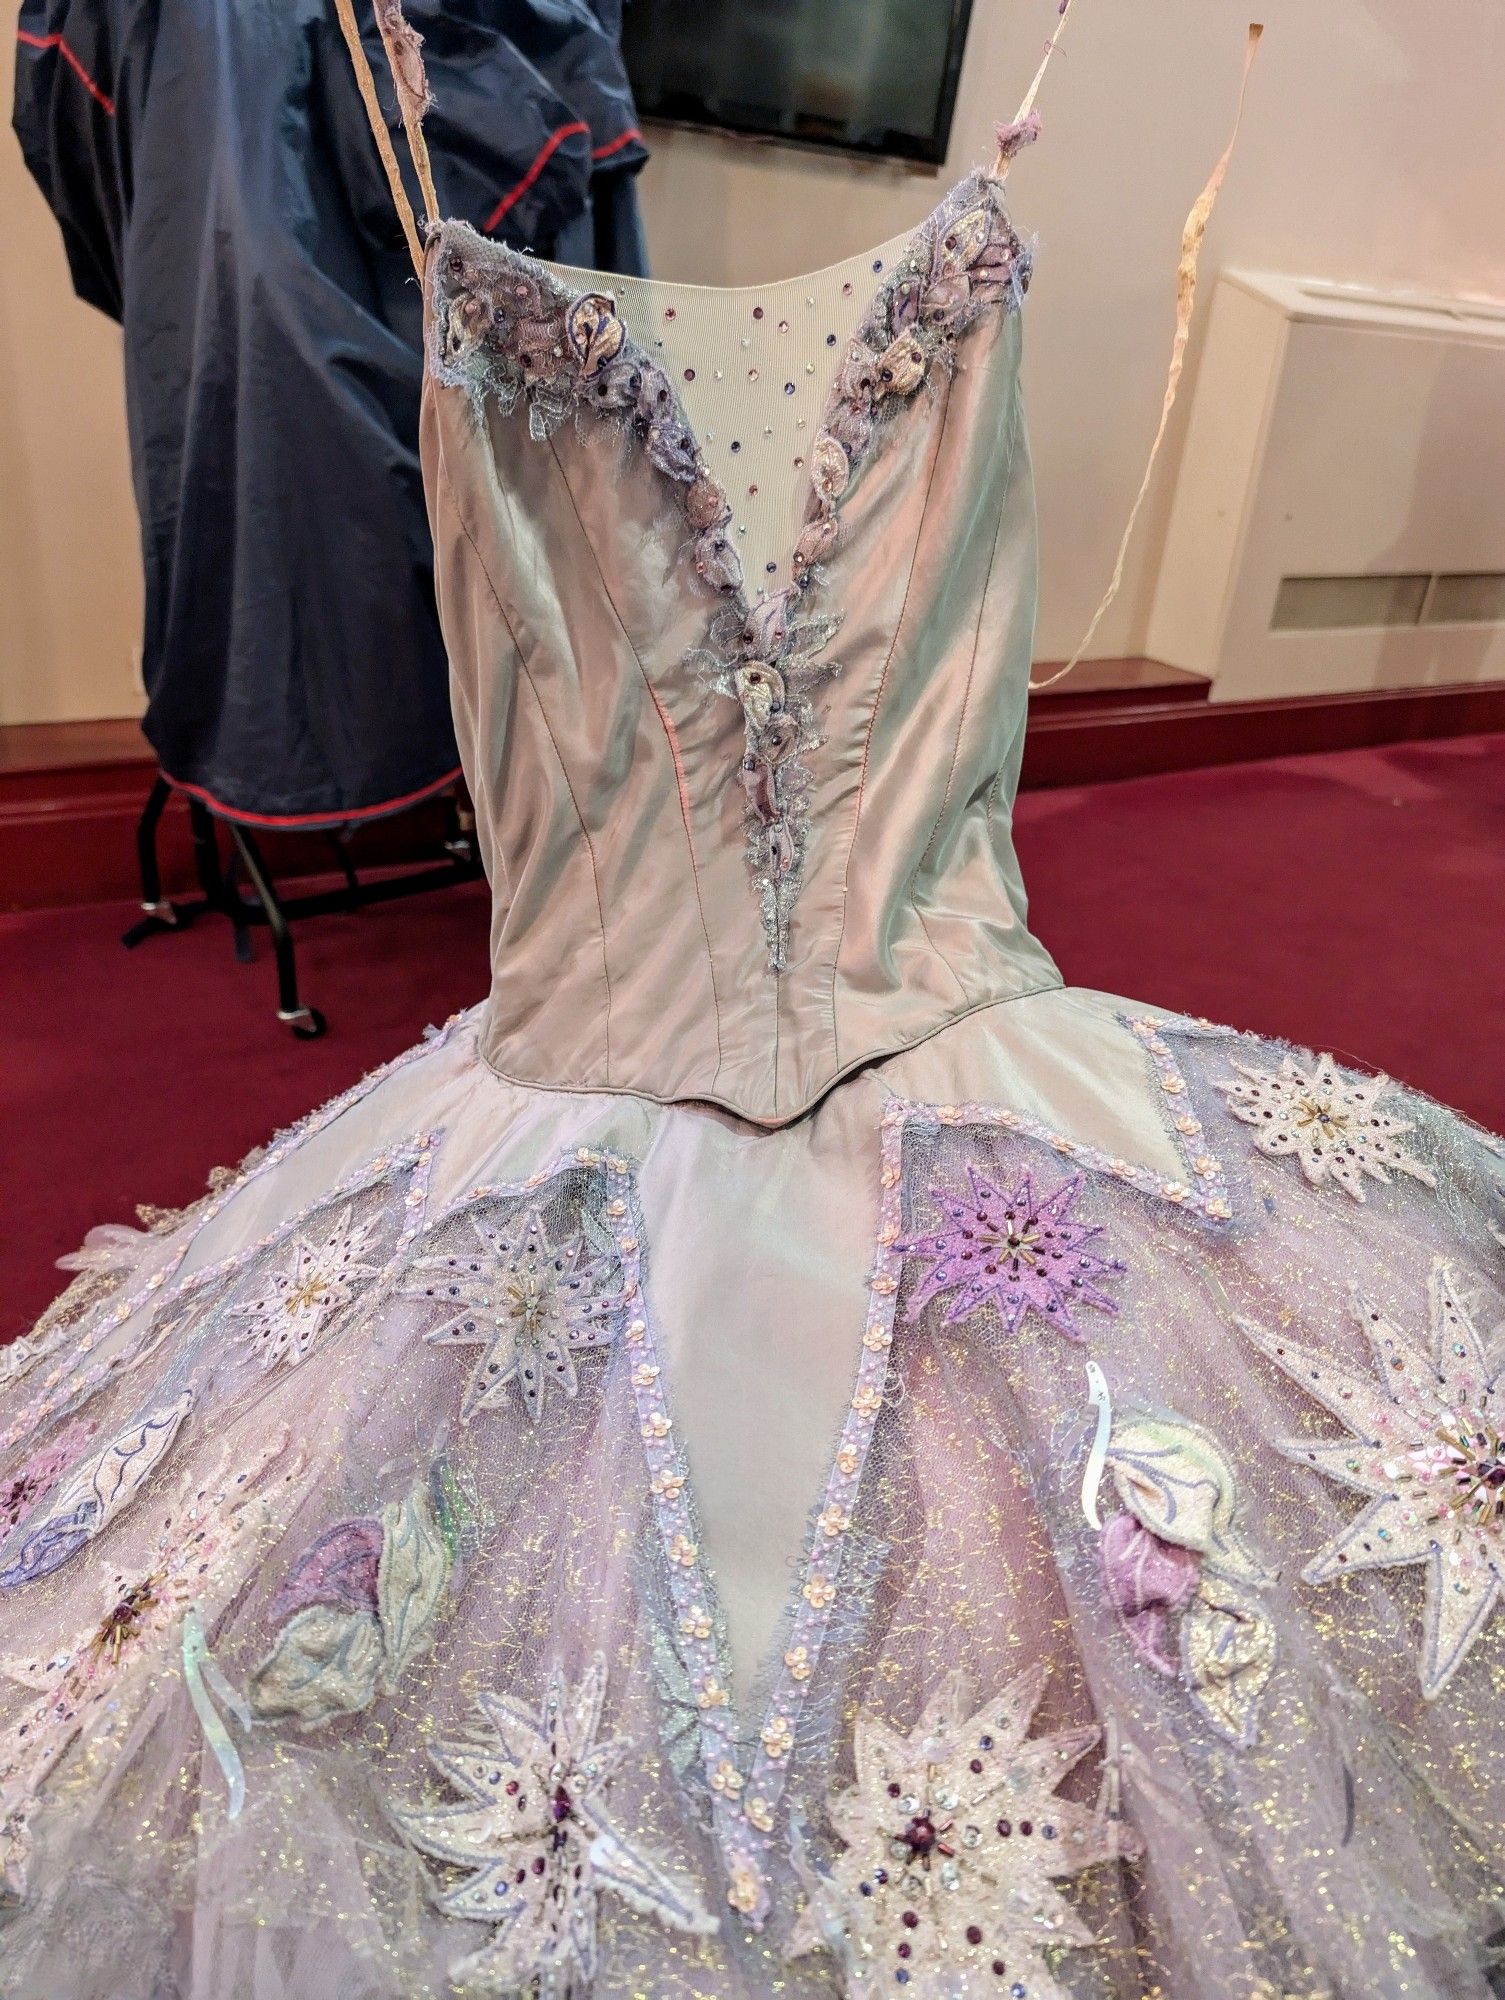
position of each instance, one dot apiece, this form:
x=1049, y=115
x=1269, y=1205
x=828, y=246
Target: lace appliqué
x=1179, y=1575
x=1014, y=1250
x=1331, y=1124
x=532, y=1306
x=535, y=1843
x=1426, y=1443
x=952, y=1840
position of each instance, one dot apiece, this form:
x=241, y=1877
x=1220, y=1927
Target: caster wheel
x=307, y=1023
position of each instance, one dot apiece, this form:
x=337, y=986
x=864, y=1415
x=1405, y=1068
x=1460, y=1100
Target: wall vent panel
x=1338, y=521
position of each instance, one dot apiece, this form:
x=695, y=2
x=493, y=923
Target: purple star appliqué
x=1015, y=1250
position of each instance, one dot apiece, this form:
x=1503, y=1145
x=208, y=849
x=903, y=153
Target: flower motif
x=1014, y=1250
x=1332, y=1125
x=1426, y=1443
x=820, y=1593
x=359, y=1605
x=1179, y=1575
x=533, y=1844
x=299, y=1297
x=744, y=1890
x=778, y=1736
x=952, y=1838
x=531, y=1306
x=696, y=1623
x=799, y=1663
x=833, y=1521
x=726, y=1778
x=683, y=1551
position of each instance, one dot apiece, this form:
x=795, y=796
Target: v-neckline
x=988, y=187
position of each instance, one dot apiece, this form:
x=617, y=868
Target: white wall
x=1371, y=151
x=70, y=589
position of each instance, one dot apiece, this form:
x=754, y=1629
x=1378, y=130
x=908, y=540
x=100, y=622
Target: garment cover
x=214, y=178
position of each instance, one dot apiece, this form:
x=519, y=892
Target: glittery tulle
x=392, y=1418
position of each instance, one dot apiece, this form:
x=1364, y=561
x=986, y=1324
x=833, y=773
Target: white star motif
x=531, y=1306
x=287, y=1315
x=536, y=1845
x=1427, y=1445
x=1333, y=1126
x=952, y=1840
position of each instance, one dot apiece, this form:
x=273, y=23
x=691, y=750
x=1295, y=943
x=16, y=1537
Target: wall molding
x=71, y=792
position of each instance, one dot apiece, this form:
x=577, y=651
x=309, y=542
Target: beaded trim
x=65, y=1384
x=1204, y=1192
x=83, y=1339
x=501, y=324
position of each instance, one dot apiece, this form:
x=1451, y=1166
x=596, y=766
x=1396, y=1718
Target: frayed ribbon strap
x=206, y=1685
x=403, y=45
x=1097, y=1457
x=1186, y=294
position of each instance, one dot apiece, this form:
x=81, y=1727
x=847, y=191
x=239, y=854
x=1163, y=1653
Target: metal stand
x=221, y=893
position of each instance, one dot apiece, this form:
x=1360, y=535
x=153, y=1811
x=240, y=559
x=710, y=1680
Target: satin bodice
x=740, y=842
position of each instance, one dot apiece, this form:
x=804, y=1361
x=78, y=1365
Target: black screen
x=872, y=76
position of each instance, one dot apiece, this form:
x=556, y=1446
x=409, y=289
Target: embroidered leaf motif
x=412, y=1579
x=83, y=1505
x=1228, y=1650
x=1180, y=1575
x=1175, y=1480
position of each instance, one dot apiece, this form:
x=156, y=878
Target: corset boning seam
x=872, y=722
x=527, y=673
x=672, y=741
x=961, y=720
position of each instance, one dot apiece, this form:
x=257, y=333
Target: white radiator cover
x=1338, y=434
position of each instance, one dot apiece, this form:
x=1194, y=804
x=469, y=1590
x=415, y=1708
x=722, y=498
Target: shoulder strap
x=1015, y=137
x=1186, y=294
x=403, y=46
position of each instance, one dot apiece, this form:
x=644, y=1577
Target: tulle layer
x=373, y=1616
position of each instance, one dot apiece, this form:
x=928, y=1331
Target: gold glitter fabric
x=1032, y=1527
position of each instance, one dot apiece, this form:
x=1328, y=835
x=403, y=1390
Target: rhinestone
x=671, y=312
x=689, y=374
x=757, y=312
x=752, y=374
x=783, y=326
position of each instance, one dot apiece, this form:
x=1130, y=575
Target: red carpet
x=1353, y=901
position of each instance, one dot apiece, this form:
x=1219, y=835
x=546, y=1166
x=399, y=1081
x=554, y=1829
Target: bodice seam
x=961, y=720
x=527, y=673
x=872, y=721
x=672, y=741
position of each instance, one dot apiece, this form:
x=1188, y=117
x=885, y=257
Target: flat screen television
x=867, y=76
